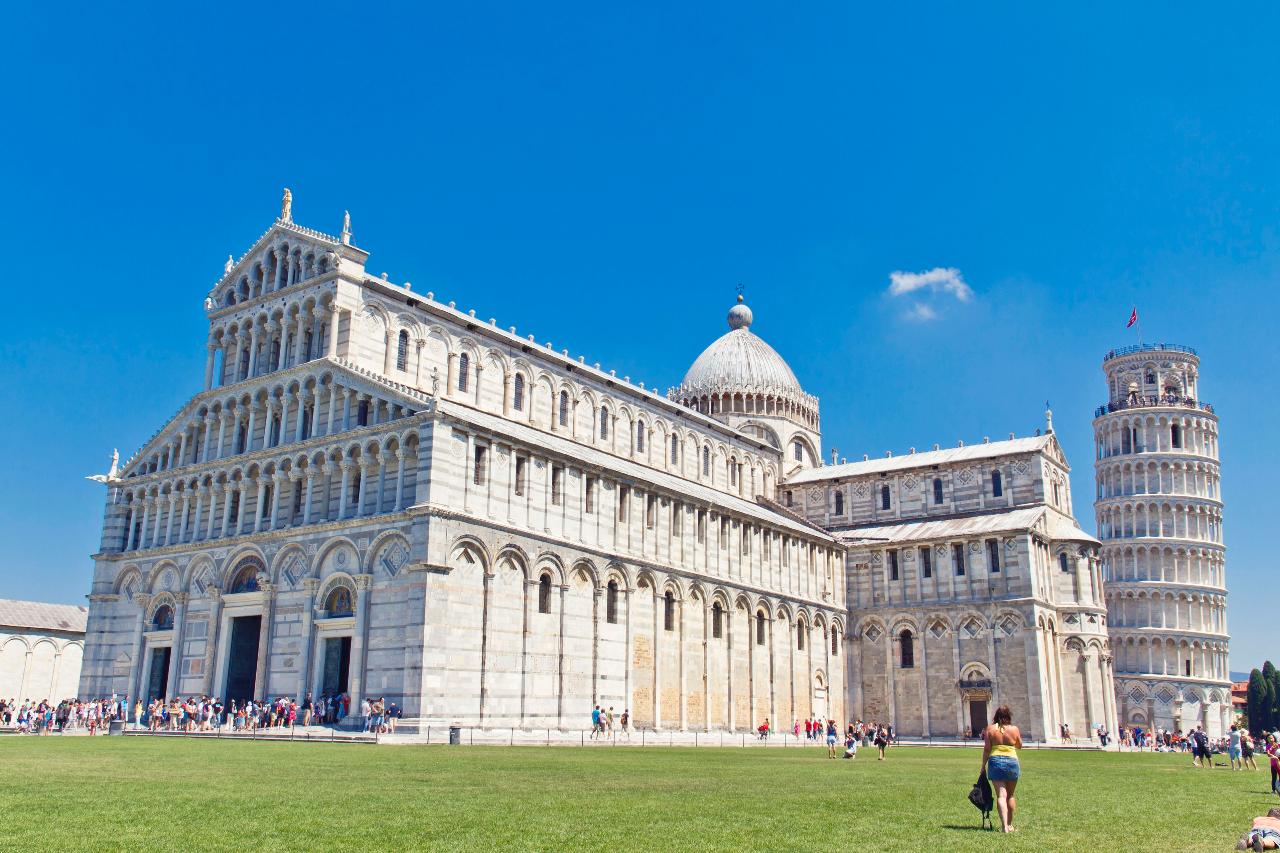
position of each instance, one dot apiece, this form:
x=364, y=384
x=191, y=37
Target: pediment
x=325, y=251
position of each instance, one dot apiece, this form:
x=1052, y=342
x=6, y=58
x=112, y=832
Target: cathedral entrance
x=158, y=677
x=337, y=666
x=242, y=660
x=977, y=716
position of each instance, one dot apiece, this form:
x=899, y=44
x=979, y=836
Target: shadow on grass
x=969, y=828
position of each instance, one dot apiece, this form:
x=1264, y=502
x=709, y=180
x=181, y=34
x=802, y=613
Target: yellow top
x=1003, y=749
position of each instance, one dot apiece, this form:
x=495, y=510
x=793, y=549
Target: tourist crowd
x=195, y=714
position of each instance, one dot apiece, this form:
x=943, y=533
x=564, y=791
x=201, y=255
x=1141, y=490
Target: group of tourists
x=46, y=717
x=193, y=714
x=602, y=721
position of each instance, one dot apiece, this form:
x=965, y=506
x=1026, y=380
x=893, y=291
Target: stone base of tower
x=1176, y=704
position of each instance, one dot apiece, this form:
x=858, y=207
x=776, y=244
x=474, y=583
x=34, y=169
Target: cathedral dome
x=739, y=372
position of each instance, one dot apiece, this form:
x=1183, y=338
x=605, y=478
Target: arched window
x=717, y=626
x=669, y=611
x=835, y=643
x=464, y=371
x=517, y=393
x=338, y=602
x=163, y=619
x=604, y=424
x=733, y=472
x=611, y=603
x=839, y=503
x=544, y=594
x=675, y=449
x=908, y=650
x=884, y=497
x=244, y=363
x=246, y=578
x=800, y=632
x=1175, y=435
x=706, y=461
x=564, y=408
x=760, y=628
x=937, y=490
x=1064, y=562
x=997, y=484
x=640, y=436
x=402, y=351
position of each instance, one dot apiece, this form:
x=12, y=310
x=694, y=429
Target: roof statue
x=346, y=227
x=226, y=268
x=286, y=206
x=111, y=474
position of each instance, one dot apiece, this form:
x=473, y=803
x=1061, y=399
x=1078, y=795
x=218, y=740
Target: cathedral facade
x=381, y=495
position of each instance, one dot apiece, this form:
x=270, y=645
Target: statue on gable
x=226, y=268
x=208, y=303
x=286, y=206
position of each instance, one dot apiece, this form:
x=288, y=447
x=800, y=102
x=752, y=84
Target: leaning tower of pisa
x=1159, y=511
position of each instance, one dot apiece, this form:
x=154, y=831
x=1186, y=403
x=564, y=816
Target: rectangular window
x=892, y=555
x=768, y=545
x=957, y=557
x=746, y=539
x=479, y=474
x=557, y=484
x=724, y=533
x=521, y=464
x=786, y=552
x=669, y=613
x=650, y=511
x=624, y=497
x=926, y=562
x=589, y=496
x=702, y=526
x=677, y=511
x=884, y=497
x=993, y=556
x=1063, y=562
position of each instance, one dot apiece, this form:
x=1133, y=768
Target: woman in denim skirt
x=1000, y=744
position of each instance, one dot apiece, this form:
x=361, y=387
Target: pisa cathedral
x=379, y=494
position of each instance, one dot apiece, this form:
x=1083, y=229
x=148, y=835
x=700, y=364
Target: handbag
x=983, y=800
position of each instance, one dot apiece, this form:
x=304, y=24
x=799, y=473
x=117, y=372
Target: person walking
x=625, y=720
x=1246, y=750
x=595, y=722
x=1000, y=744
x=881, y=741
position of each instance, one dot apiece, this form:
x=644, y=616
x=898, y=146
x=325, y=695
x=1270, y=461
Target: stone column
x=253, y=350
x=331, y=349
x=300, y=417
x=208, y=364
x=317, y=332
x=201, y=491
x=333, y=399
x=398, y=458
x=252, y=427
x=175, y=655
x=308, y=640
x=135, y=670
x=417, y=368
x=307, y=487
x=629, y=682
x=263, y=675
x=659, y=615
x=168, y=526
x=357, y=670
x=345, y=465
x=278, y=481
x=386, y=352
x=155, y=534
x=258, y=502
x=211, y=639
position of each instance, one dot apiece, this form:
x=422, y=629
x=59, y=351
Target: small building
x=41, y=646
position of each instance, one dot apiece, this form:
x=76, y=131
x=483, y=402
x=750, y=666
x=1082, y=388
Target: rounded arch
x=389, y=552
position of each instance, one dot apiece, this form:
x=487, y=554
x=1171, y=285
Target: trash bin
x=455, y=735
x=116, y=727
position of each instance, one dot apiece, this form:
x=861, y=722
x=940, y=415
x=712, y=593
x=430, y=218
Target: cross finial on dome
x=739, y=314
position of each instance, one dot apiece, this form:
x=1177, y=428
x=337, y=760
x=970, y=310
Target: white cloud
x=938, y=279
x=920, y=313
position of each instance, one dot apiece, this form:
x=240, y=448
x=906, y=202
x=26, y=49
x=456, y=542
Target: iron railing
x=1129, y=350
x=1153, y=401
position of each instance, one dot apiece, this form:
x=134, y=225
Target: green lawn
x=141, y=793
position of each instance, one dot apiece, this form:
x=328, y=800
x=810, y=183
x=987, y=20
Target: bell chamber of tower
x=1159, y=514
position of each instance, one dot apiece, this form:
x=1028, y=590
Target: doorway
x=242, y=661
x=158, y=677
x=337, y=666
x=977, y=716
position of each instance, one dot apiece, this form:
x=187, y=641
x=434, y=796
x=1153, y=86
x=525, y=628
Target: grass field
x=141, y=793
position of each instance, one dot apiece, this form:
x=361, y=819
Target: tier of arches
x=1128, y=433
x=801, y=410
x=1165, y=564
x=319, y=402
x=1195, y=479
x=278, y=266
x=1170, y=656
x=1188, y=611
x=1137, y=373
x=352, y=479
x=1168, y=519
x=35, y=667
x=272, y=339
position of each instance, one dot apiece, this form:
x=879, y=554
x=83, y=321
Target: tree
x=1272, y=676
x=1259, y=702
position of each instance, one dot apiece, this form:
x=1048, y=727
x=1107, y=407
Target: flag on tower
x=1133, y=318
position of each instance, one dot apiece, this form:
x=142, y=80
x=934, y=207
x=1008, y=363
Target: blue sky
x=604, y=178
